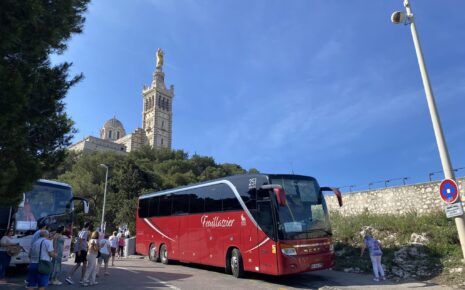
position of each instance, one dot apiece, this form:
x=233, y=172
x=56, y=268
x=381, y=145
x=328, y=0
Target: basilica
x=157, y=121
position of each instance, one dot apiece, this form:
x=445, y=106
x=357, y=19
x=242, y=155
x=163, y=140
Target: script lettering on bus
x=216, y=222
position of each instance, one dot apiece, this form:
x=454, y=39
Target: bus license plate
x=316, y=266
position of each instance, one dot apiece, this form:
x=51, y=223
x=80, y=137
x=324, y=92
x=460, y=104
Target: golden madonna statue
x=159, y=58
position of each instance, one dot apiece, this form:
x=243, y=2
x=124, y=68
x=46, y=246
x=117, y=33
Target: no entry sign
x=448, y=191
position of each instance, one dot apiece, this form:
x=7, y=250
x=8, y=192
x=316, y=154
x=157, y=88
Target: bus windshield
x=305, y=214
x=44, y=200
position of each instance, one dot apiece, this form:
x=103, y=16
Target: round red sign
x=448, y=191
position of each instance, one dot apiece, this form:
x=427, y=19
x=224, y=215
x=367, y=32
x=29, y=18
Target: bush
x=442, y=251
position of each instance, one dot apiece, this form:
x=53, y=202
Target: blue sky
x=329, y=89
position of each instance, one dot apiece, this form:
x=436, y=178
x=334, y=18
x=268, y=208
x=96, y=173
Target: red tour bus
x=267, y=223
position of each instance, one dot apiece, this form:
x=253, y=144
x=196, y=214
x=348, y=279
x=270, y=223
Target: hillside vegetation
x=129, y=176
x=414, y=246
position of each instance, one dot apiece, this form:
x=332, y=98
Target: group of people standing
x=42, y=248
x=91, y=250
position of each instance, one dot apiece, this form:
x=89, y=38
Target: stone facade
x=92, y=144
x=420, y=198
x=133, y=141
x=157, y=121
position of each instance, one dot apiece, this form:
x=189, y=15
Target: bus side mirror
x=85, y=203
x=336, y=192
x=280, y=196
x=279, y=191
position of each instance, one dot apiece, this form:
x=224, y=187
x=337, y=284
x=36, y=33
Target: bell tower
x=157, y=113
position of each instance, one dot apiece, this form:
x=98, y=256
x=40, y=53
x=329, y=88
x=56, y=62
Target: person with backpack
x=42, y=249
x=91, y=272
x=374, y=248
x=80, y=253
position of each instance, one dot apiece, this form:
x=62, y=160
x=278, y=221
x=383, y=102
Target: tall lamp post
x=399, y=17
x=104, y=197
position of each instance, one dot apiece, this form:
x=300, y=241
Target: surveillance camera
x=397, y=17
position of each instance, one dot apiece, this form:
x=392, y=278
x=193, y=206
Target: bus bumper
x=305, y=263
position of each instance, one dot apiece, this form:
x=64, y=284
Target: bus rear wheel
x=164, y=255
x=237, y=267
x=153, y=253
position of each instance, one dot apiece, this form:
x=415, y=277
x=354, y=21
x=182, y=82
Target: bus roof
x=51, y=182
x=232, y=178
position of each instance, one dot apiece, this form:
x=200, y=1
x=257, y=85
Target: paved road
x=134, y=273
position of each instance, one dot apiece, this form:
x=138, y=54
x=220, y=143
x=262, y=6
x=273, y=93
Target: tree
x=34, y=127
x=139, y=172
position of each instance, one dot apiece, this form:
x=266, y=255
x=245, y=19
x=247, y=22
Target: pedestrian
x=42, y=226
x=80, y=253
x=121, y=244
x=42, y=249
x=91, y=272
x=58, y=243
x=5, y=244
x=127, y=233
x=114, y=245
x=374, y=249
x=101, y=234
x=105, y=250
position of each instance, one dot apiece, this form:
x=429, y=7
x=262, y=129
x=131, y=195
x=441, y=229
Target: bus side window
x=180, y=203
x=196, y=203
x=213, y=202
x=153, y=206
x=265, y=218
x=144, y=208
x=263, y=194
x=164, y=208
x=230, y=201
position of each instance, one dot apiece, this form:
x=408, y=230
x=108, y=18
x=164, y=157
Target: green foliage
x=139, y=172
x=34, y=127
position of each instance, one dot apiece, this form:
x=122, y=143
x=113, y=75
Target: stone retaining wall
x=420, y=198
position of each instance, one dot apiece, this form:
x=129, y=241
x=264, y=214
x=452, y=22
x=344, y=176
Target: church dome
x=112, y=130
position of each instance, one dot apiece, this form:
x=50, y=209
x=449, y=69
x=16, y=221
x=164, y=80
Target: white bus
x=48, y=202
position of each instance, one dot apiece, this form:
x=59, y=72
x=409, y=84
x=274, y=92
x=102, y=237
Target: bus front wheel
x=153, y=253
x=164, y=255
x=237, y=267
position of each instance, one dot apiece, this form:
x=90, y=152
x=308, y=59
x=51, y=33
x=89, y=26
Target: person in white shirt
x=105, y=249
x=114, y=245
x=5, y=258
x=42, y=249
x=91, y=272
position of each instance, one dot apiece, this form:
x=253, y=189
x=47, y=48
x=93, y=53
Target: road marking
x=163, y=283
x=122, y=268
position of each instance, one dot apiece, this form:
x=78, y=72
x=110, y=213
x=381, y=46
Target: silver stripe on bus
x=54, y=182
x=311, y=245
x=259, y=245
x=157, y=230
x=227, y=182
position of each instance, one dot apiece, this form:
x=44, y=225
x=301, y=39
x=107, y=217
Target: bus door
x=267, y=235
x=250, y=244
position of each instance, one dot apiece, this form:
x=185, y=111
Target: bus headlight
x=288, y=250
